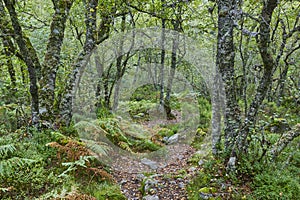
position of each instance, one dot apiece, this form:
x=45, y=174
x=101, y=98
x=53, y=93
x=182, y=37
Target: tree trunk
x=216, y=114
x=52, y=58
x=66, y=111
x=285, y=139
x=30, y=59
x=119, y=67
x=225, y=65
x=171, y=76
x=266, y=80
x=162, y=64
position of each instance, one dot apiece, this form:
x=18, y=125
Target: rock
x=151, y=197
x=173, y=139
x=205, y=196
x=181, y=185
x=140, y=177
x=201, y=162
x=149, y=184
x=206, y=192
x=123, y=181
x=165, y=139
x=199, y=152
x=231, y=164
x=152, y=164
x=192, y=169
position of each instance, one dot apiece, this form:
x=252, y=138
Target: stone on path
x=173, y=139
x=151, y=197
x=150, y=163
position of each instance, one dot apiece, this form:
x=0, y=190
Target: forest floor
x=156, y=179
x=168, y=181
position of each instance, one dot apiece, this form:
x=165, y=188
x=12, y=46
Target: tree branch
x=285, y=139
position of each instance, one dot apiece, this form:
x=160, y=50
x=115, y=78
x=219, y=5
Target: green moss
x=165, y=132
x=145, y=145
x=105, y=191
x=208, y=190
x=146, y=92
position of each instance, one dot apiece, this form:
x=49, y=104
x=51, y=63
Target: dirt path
x=167, y=179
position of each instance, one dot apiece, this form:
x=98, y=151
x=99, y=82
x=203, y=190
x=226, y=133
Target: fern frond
x=90, y=130
x=7, y=149
x=58, y=136
x=100, y=148
x=72, y=166
x=12, y=165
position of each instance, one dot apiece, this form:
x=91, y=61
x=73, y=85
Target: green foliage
x=103, y=112
x=274, y=183
x=145, y=145
x=165, y=132
x=5, y=150
x=23, y=165
x=105, y=191
x=120, y=134
x=148, y=92
x=75, y=165
x=200, y=181
x=204, y=112
x=113, y=130
x=98, y=147
x=9, y=117
x=139, y=110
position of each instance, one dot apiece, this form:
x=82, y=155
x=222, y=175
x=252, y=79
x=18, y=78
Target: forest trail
x=156, y=178
x=168, y=181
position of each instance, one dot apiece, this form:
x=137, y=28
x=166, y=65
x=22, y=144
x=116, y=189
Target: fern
x=7, y=149
x=58, y=136
x=100, y=148
x=13, y=164
x=72, y=166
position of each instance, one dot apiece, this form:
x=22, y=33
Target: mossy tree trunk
x=263, y=41
x=52, y=58
x=225, y=65
x=29, y=55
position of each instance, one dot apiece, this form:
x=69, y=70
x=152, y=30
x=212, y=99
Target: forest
x=150, y=100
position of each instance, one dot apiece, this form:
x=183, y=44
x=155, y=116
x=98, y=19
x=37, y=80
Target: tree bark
x=66, y=111
x=167, y=103
x=52, y=58
x=225, y=65
x=266, y=80
x=30, y=59
x=285, y=139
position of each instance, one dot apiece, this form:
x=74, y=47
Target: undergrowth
x=49, y=165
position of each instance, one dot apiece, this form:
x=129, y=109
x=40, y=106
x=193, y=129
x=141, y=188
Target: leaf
x=6, y=149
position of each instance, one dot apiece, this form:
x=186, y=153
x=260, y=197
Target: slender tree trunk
x=137, y=70
x=66, y=111
x=225, y=65
x=30, y=59
x=171, y=76
x=266, y=80
x=216, y=114
x=119, y=67
x=162, y=64
x=285, y=139
x=11, y=70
